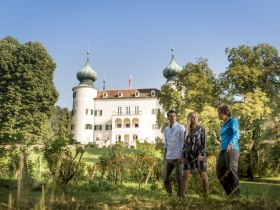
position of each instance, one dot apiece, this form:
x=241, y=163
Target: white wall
x=84, y=100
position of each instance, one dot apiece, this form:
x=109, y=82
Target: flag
x=130, y=81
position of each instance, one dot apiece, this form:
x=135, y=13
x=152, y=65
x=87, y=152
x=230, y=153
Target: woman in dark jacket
x=194, y=152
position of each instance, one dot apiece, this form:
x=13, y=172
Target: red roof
x=128, y=93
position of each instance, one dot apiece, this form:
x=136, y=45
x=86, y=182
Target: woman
x=194, y=152
x=227, y=161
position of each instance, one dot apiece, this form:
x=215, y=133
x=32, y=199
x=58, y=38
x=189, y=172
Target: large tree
x=251, y=84
x=27, y=91
x=197, y=83
x=251, y=68
x=194, y=89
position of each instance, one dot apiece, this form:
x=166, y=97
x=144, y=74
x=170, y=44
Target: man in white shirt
x=173, y=145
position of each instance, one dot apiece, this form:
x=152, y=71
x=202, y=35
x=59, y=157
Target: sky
x=135, y=37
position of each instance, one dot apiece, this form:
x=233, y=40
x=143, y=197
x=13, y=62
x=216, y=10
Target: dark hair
x=170, y=111
x=225, y=110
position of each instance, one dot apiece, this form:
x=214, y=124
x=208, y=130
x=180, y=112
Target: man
x=173, y=145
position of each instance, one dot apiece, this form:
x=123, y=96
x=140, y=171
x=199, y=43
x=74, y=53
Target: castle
x=105, y=117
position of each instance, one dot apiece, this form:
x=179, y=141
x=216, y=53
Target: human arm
x=202, y=144
x=233, y=139
x=165, y=147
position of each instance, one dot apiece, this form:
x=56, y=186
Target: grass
x=259, y=190
x=84, y=196
x=263, y=194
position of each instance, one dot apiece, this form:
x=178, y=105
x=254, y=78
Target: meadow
x=44, y=194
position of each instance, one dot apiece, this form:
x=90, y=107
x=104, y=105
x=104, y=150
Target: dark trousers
x=169, y=166
x=226, y=170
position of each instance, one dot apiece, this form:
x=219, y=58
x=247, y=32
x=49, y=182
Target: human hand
x=181, y=159
x=229, y=147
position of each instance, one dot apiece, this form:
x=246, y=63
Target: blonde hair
x=189, y=120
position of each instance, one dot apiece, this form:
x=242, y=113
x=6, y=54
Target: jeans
x=226, y=170
x=169, y=165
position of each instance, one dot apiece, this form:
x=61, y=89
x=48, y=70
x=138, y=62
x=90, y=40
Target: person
x=194, y=152
x=227, y=161
x=173, y=145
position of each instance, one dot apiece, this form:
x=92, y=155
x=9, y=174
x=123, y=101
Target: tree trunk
x=23, y=177
x=148, y=176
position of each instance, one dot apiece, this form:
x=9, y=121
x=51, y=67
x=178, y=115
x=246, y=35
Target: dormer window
x=137, y=93
x=120, y=94
x=105, y=94
x=153, y=93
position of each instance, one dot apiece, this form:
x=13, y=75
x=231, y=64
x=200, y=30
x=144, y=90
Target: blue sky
x=135, y=36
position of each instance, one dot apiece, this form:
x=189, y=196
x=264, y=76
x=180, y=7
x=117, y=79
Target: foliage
x=61, y=123
x=197, y=84
x=27, y=92
x=9, y=161
x=251, y=84
x=209, y=120
x=62, y=164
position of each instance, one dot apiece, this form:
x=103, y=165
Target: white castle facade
x=105, y=117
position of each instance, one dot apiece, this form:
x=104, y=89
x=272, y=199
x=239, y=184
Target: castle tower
x=83, y=112
x=171, y=71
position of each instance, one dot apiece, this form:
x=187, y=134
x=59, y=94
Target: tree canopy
x=27, y=91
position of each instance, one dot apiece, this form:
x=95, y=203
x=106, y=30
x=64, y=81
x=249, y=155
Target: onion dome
x=171, y=71
x=87, y=75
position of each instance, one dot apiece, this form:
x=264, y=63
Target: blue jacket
x=230, y=133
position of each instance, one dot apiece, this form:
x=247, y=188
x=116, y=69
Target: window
x=155, y=127
x=127, y=110
x=137, y=93
x=136, y=125
x=91, y=112
x=105, y=94
x=155, y=111
x=73, y=112
x=137, y=110
x=127, y=125
x=108, y=127
x=119, y=125
x=98, y=127
x=120, y=94
x=88, y=126
x=153, y=93
x=98, y=113
x=119, y=110
x=74, y=95
x=72, y=127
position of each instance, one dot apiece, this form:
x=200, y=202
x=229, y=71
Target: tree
x=252, y=114
x=209, y=120
x=27, y=98
x=195, y=89
x=251, y=68
x=27, y=91
x=61, y=123
x=197, y=83
x=252, y=85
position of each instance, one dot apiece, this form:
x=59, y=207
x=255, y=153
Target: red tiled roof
x=127, y=93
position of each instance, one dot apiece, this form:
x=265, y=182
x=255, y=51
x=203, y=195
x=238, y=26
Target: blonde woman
x=194, y=152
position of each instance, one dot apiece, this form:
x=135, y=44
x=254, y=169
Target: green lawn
x=260, y=190
x=88, y=196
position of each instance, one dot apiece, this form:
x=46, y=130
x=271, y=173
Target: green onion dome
x=171, y=71
x=87, y=75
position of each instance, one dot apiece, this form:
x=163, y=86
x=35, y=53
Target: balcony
x=126, y=113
